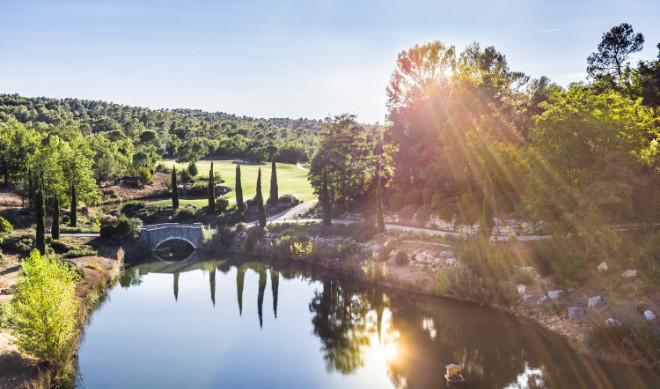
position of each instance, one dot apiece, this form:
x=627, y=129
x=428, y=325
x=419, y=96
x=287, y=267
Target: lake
x=229, y=322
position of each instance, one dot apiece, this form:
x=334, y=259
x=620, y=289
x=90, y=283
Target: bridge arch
x=152, y=236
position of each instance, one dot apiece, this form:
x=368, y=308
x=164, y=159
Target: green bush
x=221, y=204
x=44, y=310
x=427, y=194
x=107, y=231
x=184, y=214
x=186, y=178
x=414, y=197
x=82, y=251
x=384, y=253
x=461, y=283
x=128, y=228
x=343, y=249
x=145, y=176
x=397, y=201
x=254, y=235
x=423, y=214
x=401, y=258
x=192, y=168
x=647, y=259
x=622, y=343
x=408, y=211
x=5, y=228
x=436, y=201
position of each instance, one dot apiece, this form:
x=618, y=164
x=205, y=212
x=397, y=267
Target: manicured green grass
x=290, y=179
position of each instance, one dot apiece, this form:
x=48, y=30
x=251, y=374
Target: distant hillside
x=184, y=134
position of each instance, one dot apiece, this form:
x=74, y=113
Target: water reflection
x=364, y=334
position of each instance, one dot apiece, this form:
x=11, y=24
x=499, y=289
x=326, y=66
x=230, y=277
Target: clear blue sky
x=269, y=58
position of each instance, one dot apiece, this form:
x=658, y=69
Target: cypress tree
x=273, y=185
x=260, y=203
x=40, y=216
x=379, y=207
x=325, y=202
x=175, y=190
x=74, y=206
x=55, y=229
x=211, y=190
x=30, y=189
x=239, y=190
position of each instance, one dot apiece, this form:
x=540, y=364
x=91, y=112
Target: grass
x=290, y=179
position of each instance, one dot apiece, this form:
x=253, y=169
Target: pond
x=238, y=323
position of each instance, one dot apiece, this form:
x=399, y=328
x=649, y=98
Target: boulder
x=555, y=294
x=521, y=289
x=593, y=301
x=649, y=315
x=575, y=312
x=630, y=273
x=602, y=267
x=526, y=297
x=613, y=323
x=451, y=261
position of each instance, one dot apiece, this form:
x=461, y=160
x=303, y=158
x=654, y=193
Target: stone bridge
x=152, y=236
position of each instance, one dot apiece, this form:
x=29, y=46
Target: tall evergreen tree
x=40, y=216
x=273, y=185
x=74, y=206
x=325, y=202
x=175, y=190
x=239, y=190
x=30, y=188
x=379, y=207
x=55, y=229
x=260, y=203
x=211, y=190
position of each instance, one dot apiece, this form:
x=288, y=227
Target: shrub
x=94, y=266
x=288, y=199
x=396, y=201
x=107, y=231
x=128, y=228
x=82, y=251
x=640, y=307
x=427, y=194
x=525, y=278
x=145, y=176
x=401, y=258
x=192, y=168
x=5, y=228
x=186, y=178
x=423, y=214
x=44, y=310
x=343, y=249
x=254, y=235
x=647, y=259
x=384, y=253
x=373, y=270
x=408, y=211
x=436, y=201
x=184, y=214
x=461, y=283
x=241, y=227
x=569, y=269
x=414, y=197
x=221, y=204
x=301, y=251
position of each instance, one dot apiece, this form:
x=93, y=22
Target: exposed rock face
x=575, y=312
x=593, y=301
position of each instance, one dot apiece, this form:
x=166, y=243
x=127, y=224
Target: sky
x=270, y=58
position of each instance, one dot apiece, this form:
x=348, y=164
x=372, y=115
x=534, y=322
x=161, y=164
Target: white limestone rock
x=602, y=267
x=649, y=315
x=555, y=294
x=630, y=273
x=575, y=312
x=613, y=323
x=451, y=261
x=593, y=301
x=521, y=289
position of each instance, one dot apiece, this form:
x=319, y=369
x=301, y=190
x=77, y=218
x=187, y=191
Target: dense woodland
x=469, y=138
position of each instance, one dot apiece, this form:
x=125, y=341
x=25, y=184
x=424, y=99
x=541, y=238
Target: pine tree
x=273, y=185
x=74, y=206
x=325, y=202
x=40, y=216
x=239, y=190
x=175, y=190
x=211, y=190
x=260, y=203
x=379, y=207
x=55, y=229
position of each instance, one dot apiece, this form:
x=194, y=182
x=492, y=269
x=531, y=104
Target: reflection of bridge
x=152, y=236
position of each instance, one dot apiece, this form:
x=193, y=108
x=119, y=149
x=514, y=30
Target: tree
x=74, y=206
x=192, y=168
x=211, y=190
x=380, y=217
x=325, y=202
x=40, y=217
x=175, y=190
x=44, y=310
x=613, y=52
x=55, y=229
x=273, y=185
x=239, y=190
x=260, y=203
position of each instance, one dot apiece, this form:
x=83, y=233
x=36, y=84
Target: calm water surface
x=228, y=323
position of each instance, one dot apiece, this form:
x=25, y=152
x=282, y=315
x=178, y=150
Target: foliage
x=619, y=343
x=274, y=196
x=221, y=204
x=211, y=189
x=613, y=52
x=192, y=169
x=397, y=201
x=401, y=258
x=5, y=228
x=43, y=312
x=128, y=228
x=184, y=214
x=40, y=217
x=175, y=190
x=325, y=202
x=107, y=231
x=145, y=176
x=82, y=251
x=186, y=178
x=239, y=190
x=261, y=211
x=647, y=259
x=55, y=228
x=423, y=214
x=254, y=235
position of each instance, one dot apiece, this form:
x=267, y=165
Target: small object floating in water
x=454, y=374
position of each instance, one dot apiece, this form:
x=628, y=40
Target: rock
x=575, y=312
x=437, y=262
x=593, y=301
x=649, y=315
x=451, y=261
x=521, y=289
x=602, y=267
x=526, y=269
x=542, y=300
x=613, y=323
x=555, y=294
x=526, y=297
x=630, y=273
x=419, y=258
